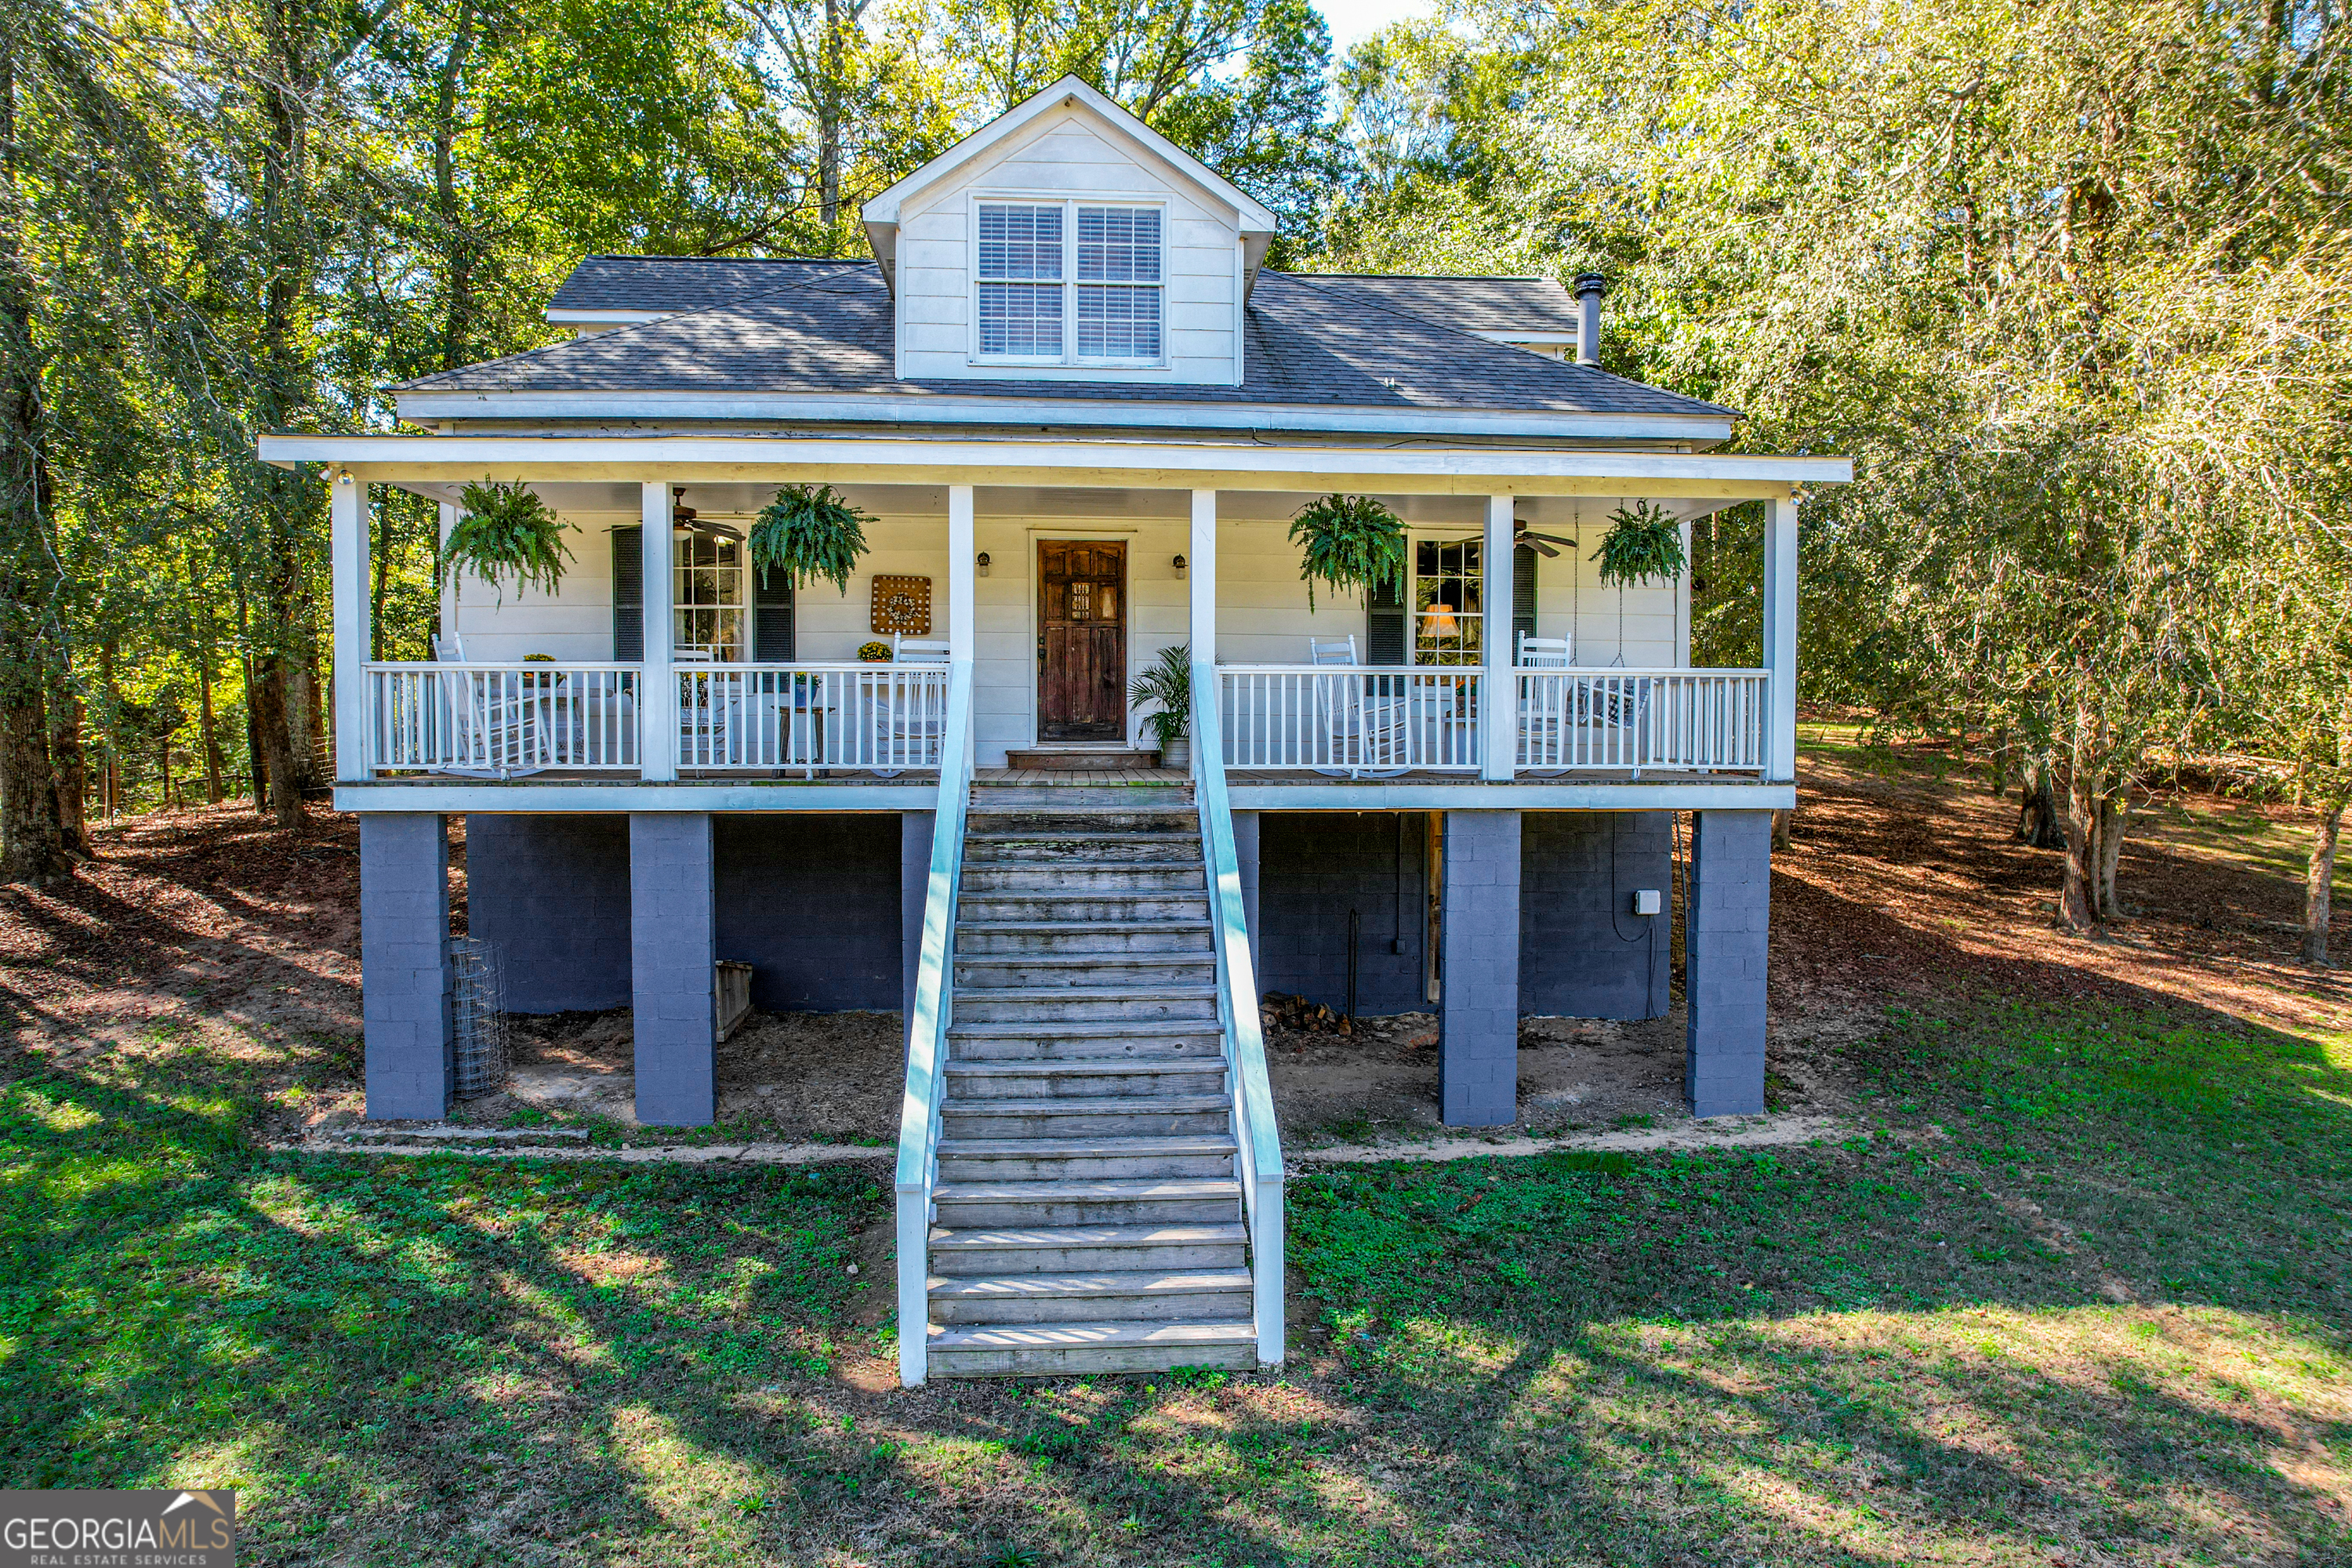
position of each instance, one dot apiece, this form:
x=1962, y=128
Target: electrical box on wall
x=1649, y=901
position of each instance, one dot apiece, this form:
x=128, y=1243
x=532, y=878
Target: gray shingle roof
x=825, y=328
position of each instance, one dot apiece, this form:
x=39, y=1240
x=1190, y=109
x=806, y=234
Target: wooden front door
x=1081, y=640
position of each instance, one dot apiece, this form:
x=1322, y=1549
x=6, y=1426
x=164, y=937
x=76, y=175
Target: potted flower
x=873, y=653
x=504, y=531
x=1168, y=682
x=807, y=533
x=1353, y=543
x=1644, y=542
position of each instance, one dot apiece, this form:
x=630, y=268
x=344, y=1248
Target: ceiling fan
x=683, y=516
x=1542, y=543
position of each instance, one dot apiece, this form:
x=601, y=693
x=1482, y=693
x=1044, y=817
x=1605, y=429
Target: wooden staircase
x=1087, y=1216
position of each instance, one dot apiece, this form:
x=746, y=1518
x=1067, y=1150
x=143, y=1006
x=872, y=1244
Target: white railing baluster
x=1431, y=720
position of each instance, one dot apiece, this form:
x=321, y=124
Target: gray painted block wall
x=405, y=963
x=674, y=931
x=1313, y=867
x=1583, y=953
x=551, y=894
x=1479, y=1016
x=1728, y=928
x=811, y=901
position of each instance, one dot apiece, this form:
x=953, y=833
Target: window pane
x=1118, y=323
x=1447, y=594
x=1021, y=319
x=1119, y=245
x=1021, y=242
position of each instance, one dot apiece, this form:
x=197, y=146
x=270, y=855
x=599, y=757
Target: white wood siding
x=1262, y=613
x=1067, y=154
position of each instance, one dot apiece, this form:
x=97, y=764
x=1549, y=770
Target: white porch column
x=961, y=574
x=448, y=585
x=1201, y=569
x=1780, y=636
x=657, y=685
x=1500, y=719
x=347, y=528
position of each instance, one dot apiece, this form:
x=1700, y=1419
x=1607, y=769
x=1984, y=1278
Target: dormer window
x=1069, y=283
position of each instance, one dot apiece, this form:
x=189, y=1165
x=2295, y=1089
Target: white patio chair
x=494, y=728
x=909, y=717
x=1365, y=727
x=1544, y=704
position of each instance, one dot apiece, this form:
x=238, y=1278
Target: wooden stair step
x=1141, y=1284
x=1022, y=1238
x=1088, y=1148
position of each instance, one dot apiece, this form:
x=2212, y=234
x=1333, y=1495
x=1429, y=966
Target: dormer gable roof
x=880, y=214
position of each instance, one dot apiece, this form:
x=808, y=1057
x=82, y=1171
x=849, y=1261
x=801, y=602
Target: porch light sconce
x=344, y=477
x=1179, y=568
x=980, y=563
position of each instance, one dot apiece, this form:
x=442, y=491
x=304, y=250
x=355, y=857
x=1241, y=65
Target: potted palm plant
x=1353, y=543
x=505, y=531
x=1169, y=683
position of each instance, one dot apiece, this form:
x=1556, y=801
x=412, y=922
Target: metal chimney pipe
x=1589, y=288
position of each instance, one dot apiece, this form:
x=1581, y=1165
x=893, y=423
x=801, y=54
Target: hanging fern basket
x=1353, y=543
x=807, y=533
x=504, y=531
x=1644, y=542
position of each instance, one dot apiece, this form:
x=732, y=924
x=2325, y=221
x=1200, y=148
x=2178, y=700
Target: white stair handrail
x=926, y=1033
x=1259, y=1158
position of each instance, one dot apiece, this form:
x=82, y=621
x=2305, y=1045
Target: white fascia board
x=628, y=794
x=1253, y=215
x=1471, y=794
x=1144, y=464
x=1566, y=340
x=606, y=318
x=427, y=407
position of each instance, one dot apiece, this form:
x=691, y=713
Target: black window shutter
x=1523, y=596
x=628, y=594
x=1384, y=625
x=771, y=617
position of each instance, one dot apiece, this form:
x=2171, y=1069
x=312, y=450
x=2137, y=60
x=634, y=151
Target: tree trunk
x=269, y=703
x=2115, y=815
x=1998, y=748
x=2318, y=881
x=2078, y=909
x=1781, y=820
x=70, y=773
x=207, y=723
x=2037, y=806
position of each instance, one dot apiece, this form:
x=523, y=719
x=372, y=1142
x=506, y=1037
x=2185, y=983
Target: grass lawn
x=2082, y=1298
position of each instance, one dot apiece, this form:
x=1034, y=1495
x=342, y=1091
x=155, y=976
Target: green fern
x=807, y=533
x=1353, y=543
x=504, y=529
x=1643, y=541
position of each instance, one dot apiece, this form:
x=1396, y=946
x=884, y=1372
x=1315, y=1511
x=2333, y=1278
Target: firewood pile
x=1278, y=1011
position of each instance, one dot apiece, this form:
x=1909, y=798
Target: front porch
x=540, y=699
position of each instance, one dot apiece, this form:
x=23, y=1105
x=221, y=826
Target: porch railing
x=1258, y=1160
x=811, y=716
x=926, y=1032
x=497, y=720
x=1684, y=720
x=1353, y=719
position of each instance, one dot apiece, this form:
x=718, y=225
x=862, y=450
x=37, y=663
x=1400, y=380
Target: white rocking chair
x=494, y=731
x=909, y=717
x=1544, y=705
x=1364, y=727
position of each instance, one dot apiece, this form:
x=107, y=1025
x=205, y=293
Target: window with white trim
x=1020, y=275
x=706, y=597
x=1070, y=282
x=1449, y=601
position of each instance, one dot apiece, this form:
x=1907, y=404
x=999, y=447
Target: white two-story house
x=1081, y=414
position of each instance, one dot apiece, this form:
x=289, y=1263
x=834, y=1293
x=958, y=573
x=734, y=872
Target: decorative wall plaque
x=903, y=605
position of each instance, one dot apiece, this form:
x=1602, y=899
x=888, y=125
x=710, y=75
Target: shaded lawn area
x=2082, y=1297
